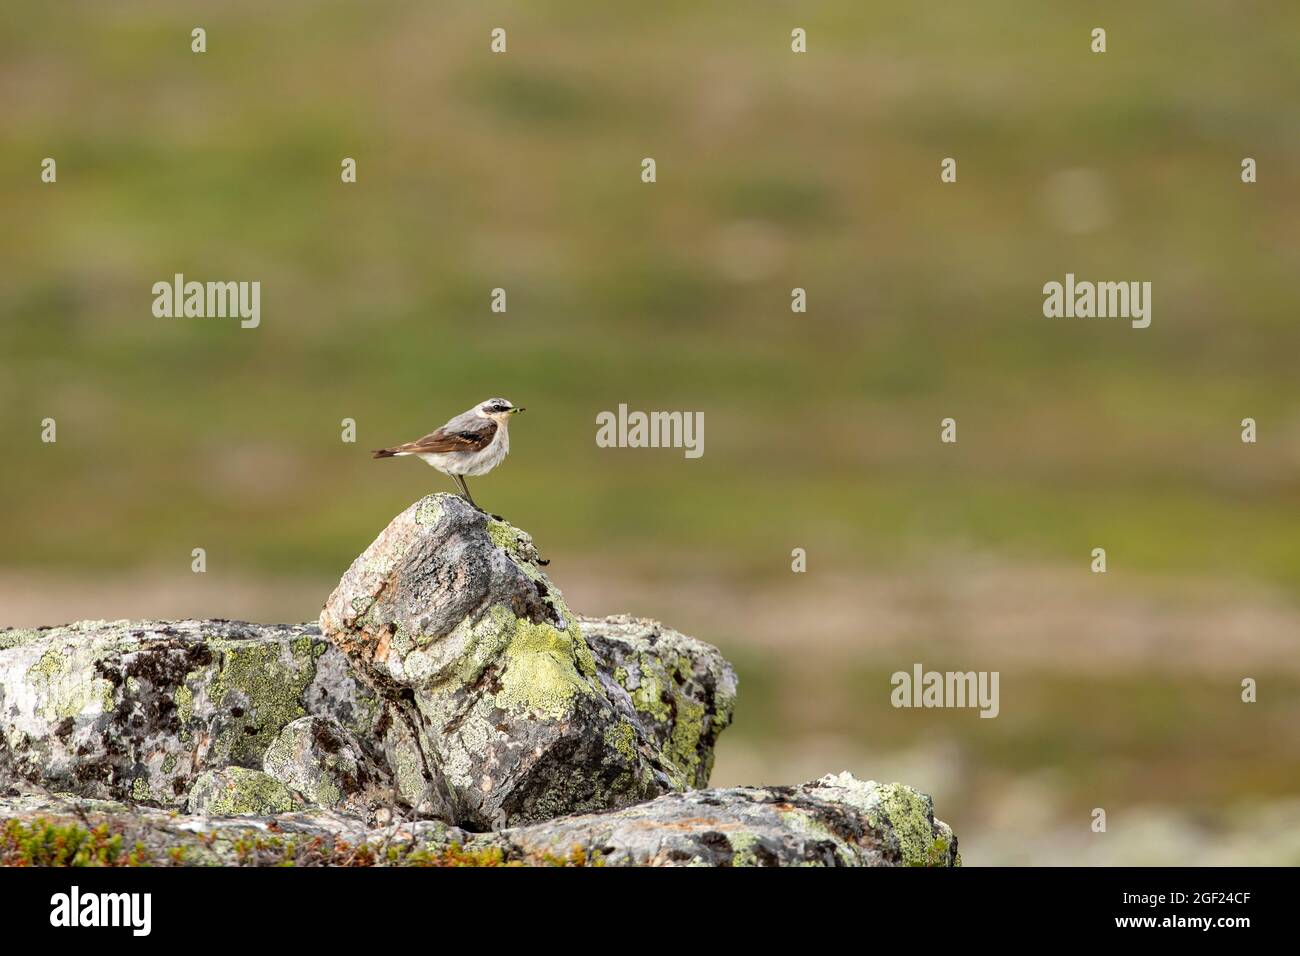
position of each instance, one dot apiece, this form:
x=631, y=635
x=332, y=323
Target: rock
x=236, y=792
x=138, y=710
x=682, y=689
x=324, y=762
x=447, y=680
x=449, y=616
x=835, y=821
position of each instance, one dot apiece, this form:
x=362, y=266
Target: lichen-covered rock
x=835, y=821
x=682, y=689
x=238, y=792
x=450, y=617
x=324, y=762
x=137, y=710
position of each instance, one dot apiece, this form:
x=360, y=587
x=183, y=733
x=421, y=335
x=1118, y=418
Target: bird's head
x=498, y=409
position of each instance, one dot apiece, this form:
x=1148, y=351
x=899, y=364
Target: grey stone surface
x=451, y=618
x=325, y=763
x=138, y=710
x=835, y=821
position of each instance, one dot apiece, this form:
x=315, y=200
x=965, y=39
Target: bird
x=471, y=444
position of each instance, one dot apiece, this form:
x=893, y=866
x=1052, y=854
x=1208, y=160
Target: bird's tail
x=383, y=453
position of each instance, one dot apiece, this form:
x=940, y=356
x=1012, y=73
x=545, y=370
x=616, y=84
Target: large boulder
x=682, y=689
x=835, y=821
x=138, y=710
x=452, y=620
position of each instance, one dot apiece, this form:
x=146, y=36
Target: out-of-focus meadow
x=775, y=170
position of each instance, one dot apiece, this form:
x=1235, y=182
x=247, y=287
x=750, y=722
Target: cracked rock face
x=449, y=616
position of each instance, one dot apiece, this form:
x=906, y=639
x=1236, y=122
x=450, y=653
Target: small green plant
x=43, y=843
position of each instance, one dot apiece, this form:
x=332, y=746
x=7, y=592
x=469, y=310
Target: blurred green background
x=775, y=170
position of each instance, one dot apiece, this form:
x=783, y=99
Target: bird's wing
x=454, y=436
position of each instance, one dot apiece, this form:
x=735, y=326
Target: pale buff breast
x=478, y=463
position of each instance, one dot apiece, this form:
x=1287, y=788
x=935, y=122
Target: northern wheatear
x=472, y=443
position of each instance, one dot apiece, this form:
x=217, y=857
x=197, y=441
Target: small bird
x=472, y=443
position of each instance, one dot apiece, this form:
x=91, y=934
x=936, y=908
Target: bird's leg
x=464, y=491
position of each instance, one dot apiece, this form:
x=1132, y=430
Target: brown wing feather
x=473, y=438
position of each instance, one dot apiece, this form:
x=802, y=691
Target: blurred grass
x=775, y=171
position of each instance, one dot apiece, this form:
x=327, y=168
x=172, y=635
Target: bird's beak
x=516, y=411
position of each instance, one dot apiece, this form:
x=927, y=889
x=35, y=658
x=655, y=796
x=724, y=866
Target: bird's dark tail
x=383, y=453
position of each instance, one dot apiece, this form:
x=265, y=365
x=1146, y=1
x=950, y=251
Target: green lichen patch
x=622, y=737
x=544, y=667
x=238, y=791
x=13, y=637
x=909, y=816
x=261, y=691
x=429, y=510
x=67, y=691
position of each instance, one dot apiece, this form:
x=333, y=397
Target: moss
x=12, y=638
x=742, y=845
x=544, y=667
x=238, y=791
x=45, y=843
x=684, y=744
x=909, y=816
x=504, y=536
x=577, y=856
x=184, y=699
x=53, y=664
x=67, y=694
x=429, y=510
x=255, y=678
x=622, y=737
x=648, y=696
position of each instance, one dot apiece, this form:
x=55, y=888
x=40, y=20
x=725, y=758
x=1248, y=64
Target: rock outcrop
x=835, y=821
x=138, y=710
x=449, y=708
x=451, y=619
